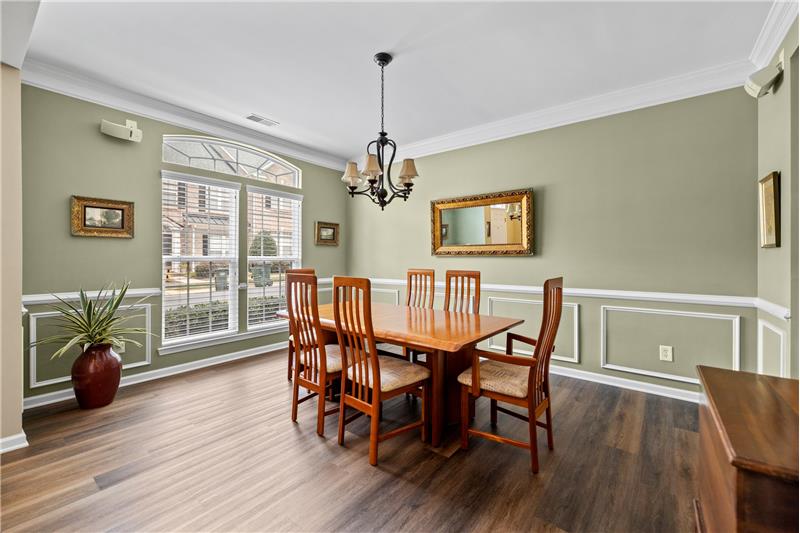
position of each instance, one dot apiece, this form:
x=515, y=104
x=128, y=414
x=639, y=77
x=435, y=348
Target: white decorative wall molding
x=687, y=85
x=52, y=78
x=38, y=299
x=33, y=380
x=280, y=326
x=783, y=358
x=13, y=442
x=612, y=294
x=575, y=358
x=735, y=321
x=623, y=383
x=779, y=19
x=396, y=293
x=61, y=395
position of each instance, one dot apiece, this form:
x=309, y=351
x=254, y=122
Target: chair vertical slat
x=459, y=294
x=419, y=288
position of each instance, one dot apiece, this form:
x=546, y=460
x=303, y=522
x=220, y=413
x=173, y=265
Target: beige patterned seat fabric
x=333, y=357
x=502, y=378
x=396, y=373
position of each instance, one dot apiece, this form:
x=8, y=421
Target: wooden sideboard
x=748, y=455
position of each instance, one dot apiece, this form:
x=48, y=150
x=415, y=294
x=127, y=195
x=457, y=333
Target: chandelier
x=376, y=179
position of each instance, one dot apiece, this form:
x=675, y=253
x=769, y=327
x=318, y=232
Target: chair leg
x=321, y=412
x=493, y=409
x=374, y=428
x=464, y=418
x=534, y=445
x=341, y=416
x=291, y=356
x=423, y=414
x=549, y=417
x=295, y=396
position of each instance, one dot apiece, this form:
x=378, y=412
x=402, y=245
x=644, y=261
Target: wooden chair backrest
x=304, y=325
x=551, y=317
x=419, y=288
x=352, y=313
x=462, y=292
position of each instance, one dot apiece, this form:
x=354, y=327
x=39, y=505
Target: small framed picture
x=96, y=217
x=327, y=234
x=769, y=201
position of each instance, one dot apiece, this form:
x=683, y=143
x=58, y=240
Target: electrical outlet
x=665, y=353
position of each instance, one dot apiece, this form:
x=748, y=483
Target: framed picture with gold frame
x=326, y=234
x=769, y=203
x=98, y=217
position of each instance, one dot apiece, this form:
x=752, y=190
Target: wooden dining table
x=448, y=338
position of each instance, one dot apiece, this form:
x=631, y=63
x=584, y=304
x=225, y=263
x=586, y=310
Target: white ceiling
x=457, y=66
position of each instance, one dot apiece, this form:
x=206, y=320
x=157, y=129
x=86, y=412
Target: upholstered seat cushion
x=395, y=373
x=502, y=378
x=333, y=357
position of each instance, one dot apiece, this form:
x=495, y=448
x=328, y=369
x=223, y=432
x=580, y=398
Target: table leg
x=438, y=398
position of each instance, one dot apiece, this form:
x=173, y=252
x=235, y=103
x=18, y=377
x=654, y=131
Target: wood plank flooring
x=215, y=450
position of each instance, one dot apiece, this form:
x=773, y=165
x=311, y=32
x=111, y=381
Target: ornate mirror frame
x=523, y=196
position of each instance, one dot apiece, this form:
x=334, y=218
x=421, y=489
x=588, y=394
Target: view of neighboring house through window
x=199, y=257
x=200, y=251
x=273, y=246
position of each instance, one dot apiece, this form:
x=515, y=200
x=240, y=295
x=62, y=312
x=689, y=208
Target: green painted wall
x=777, y=151
x=657, y=199
x=64, y=153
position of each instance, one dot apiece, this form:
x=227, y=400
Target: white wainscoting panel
x=34, y=317
x=735, y=321
x=574, y=358
x=783, y=359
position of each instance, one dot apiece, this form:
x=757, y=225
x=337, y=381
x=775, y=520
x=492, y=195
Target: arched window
x=229, y=157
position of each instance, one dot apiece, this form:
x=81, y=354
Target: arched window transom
x=229, y=157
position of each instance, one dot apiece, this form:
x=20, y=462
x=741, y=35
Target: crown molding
x=779, y=19
x=696, y=83
x=59, y=80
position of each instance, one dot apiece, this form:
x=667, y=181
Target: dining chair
x=462, y=291
x=291, y=338
x=419, y=293
x=371, y=378
x=520, y=381
x=316, y=365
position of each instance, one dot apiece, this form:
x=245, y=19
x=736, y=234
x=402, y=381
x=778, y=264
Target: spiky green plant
x=94, y=322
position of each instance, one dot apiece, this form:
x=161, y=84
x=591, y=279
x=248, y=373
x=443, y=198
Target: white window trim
x=201, y=180
x=275, y=192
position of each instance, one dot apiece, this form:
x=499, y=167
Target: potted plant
x=95, y=327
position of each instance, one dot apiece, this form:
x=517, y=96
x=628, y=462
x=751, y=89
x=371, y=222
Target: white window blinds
x=273, y=246
x=199, y=218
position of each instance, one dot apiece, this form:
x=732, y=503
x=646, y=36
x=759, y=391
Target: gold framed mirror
x=498, y=223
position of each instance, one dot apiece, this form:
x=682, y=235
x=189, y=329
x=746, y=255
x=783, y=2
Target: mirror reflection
x=488, y=224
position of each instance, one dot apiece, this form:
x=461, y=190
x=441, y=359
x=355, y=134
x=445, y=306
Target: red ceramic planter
x=95, y=376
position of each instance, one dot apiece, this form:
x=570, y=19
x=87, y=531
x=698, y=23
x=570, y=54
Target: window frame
x=233, y=260
x=296, y=261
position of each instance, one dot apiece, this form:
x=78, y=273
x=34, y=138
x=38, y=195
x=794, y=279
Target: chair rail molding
x=39, y=299
x=783, y=358
x=773, y=309
x=57, y=79
x=575, y=358
x=735, y=321
x=33, y=380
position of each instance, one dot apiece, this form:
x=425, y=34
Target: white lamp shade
x=351, y=175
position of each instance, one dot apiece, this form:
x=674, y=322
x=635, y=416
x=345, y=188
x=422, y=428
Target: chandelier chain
x=382, y=99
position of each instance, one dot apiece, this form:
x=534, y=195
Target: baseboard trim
x=13, y=442
x=150, y=375
x=623, y=383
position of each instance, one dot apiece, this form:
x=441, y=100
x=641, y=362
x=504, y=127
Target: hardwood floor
x=216, y=450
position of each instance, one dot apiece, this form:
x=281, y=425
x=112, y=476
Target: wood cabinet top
x=757, y=418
